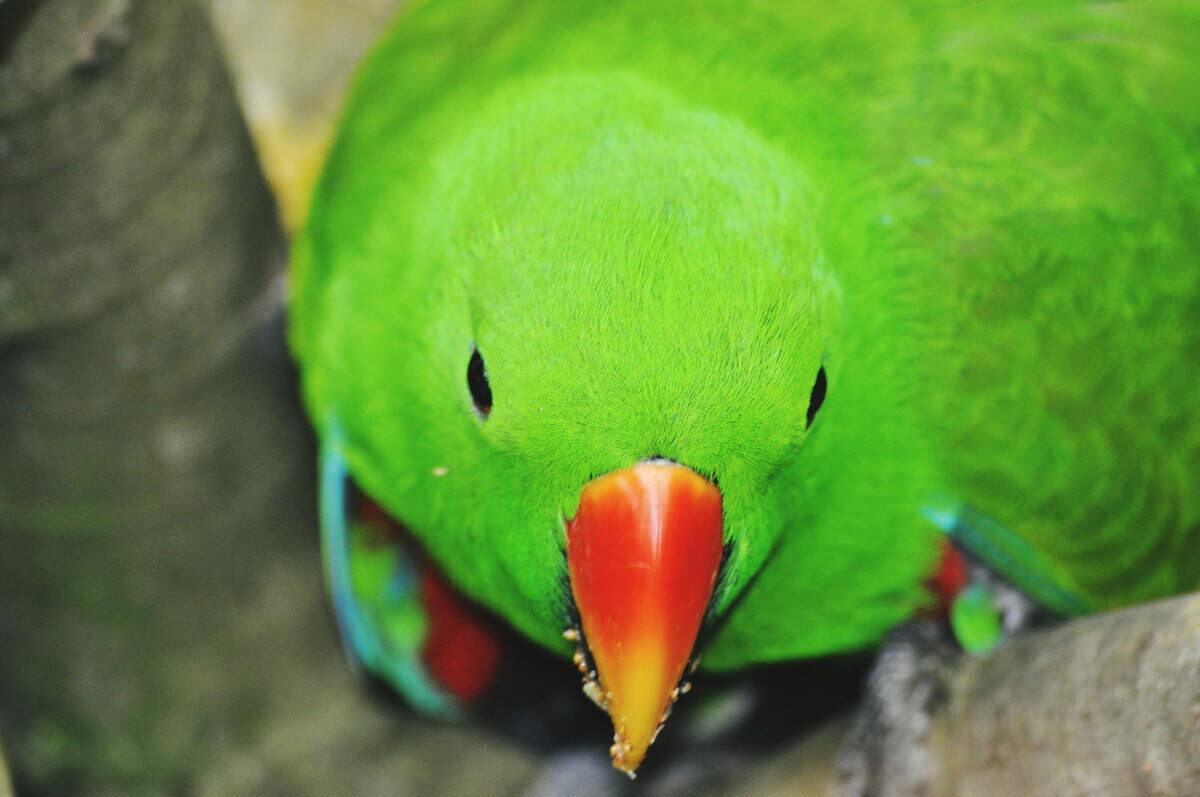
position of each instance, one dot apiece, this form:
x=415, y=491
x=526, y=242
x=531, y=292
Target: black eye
x=818, y=396
x=477, y=382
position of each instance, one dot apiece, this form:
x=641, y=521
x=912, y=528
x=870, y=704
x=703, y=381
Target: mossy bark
x=148, y=466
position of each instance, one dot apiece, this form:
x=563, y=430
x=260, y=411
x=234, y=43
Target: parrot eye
x=818, y=396
x=477, y=383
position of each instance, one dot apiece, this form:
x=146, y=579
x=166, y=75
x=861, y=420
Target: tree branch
x=1108, y=704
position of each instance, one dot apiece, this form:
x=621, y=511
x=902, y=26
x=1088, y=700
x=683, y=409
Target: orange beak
x=643, y=553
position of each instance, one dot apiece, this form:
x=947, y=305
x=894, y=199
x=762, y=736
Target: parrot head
x=594, y=385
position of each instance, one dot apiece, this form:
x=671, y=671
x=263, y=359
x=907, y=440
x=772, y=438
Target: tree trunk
x=148, y=466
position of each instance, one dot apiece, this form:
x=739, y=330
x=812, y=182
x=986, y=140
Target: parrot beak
x=643, y=553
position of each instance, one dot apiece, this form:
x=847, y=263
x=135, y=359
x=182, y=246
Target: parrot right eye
x=477, y=383
x=817, y=397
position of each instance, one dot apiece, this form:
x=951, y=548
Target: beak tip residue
x=643, y=552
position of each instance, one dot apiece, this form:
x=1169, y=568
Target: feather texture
x=658, y=222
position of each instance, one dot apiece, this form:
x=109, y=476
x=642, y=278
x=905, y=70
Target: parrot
x=708, y=334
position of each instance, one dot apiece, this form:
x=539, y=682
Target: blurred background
x=163, y=627
x=291, y=62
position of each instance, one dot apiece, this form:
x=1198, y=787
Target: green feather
x=976, y=620
x=658, y=221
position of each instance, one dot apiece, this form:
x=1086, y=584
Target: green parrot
x=691, y=331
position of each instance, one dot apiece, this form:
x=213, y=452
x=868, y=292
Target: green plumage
x=658, y=221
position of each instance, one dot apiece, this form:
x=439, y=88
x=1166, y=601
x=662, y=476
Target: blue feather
x=396, y=661
x=1009, y=555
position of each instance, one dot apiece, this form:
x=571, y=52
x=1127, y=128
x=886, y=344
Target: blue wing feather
x=361, y=623
x=1010, y=556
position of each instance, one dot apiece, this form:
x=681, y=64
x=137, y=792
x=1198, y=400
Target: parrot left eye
x=817, y=397
x=477, y=383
